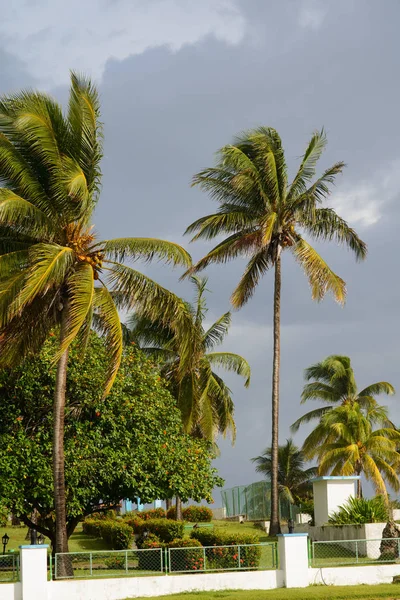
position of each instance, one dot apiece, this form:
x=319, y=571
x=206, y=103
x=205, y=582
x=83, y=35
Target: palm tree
x=345, y=442
x=263, y=215
x=334, y=383
x=205, y=401
x=54, y=271
x=293, y=477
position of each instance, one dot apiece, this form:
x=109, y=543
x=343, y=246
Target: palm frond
x=256, y=267
x=375, y=389
x=231, y=362
x=322, y=279
x=217, y=331
x=307, y=167
x=147, y=249
x=317, y=413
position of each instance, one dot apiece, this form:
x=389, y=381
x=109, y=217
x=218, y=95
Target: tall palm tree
x=293, y=477
x=335, y=383
x=202, y=396
x=345, y=442
x=54, y=271
x=263, y=215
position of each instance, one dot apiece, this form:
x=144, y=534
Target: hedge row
x=225, y=557
x=193, y=514
x=116, y=534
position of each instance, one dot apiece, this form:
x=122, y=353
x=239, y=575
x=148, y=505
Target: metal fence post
x=204, y=559
x=356, y=551
x=239, y=556
x=55, y=566
x=50, y=566
x=90, y=564
x=126, y=561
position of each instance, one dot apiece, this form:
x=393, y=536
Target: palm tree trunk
x=61, y=538
x=275, y=526
x=178, y=509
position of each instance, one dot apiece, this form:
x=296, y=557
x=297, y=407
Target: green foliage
x=92, y=527
x=150, y=541
x=115, y=562
x=223, y=557
x=204, y=399
x=293, y=478
x=214, y=537
x=187, y=555
x=197, y=514
x=116, y=534
x=154, y=513
x=171, y=513
x=135, y=522
x=165, y=529
x=4, y=512
x=361, y=510
x=113, y=448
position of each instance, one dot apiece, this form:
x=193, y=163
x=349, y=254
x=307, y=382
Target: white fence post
x=34, y=572
x=293, y=559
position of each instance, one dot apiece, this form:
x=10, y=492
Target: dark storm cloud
x=300, y=66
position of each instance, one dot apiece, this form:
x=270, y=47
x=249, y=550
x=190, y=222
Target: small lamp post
x=291, y=525
x=4, y=540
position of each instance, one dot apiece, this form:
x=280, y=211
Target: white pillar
x=293, y=559
x=34, y=572
x=331, y=492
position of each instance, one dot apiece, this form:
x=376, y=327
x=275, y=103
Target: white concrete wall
x=320, y=502
x=10, y=591
x=134, y=587
x=368, y=574
x=219, y=513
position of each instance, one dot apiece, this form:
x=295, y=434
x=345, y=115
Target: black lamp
x=4, y=540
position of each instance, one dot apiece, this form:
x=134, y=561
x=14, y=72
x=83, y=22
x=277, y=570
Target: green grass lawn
x=358, y=592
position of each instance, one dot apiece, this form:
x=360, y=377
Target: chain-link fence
x=254, y=501
x=244, y=557
x=354, y=552
x=158, y=561
x=116, y=563
x=9, y=568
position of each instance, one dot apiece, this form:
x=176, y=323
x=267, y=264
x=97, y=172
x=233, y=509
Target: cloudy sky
x=178, y=78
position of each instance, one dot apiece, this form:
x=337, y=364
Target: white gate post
x=293, y=559
x=34, y=572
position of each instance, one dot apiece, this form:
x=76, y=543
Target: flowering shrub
x=197, y=514
x=154, y=513
x=135, y=522
x=225, y=557
x=171, y=513
x=187, y=556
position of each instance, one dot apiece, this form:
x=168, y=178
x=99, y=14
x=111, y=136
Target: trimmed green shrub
x=115, y=562
x=357, y=511
x=154, y=513
x=206, y=537
x=117, y=534
x=197, y=514
x=166, y=530
x=4, y=512
x=187, y=556
x=149, y=561
x=149, y=541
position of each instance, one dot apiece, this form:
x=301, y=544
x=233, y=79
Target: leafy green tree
x=263, y=215
x=332, y=381
x=346, y=442
x=54, y=271
x=129, y=445
x=293, y=477
x=204, y=399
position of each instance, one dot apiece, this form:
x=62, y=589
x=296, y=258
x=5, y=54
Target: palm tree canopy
x=293, y=477
x=347, y=442
x=332, y=381
x=50, y=257
x=262, y=213
x=203, y=397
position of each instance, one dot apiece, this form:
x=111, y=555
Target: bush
x=116, y=534
x=115, y=562
x=357, y=511
x=4, y=512
x=187, y=555
x=163, y=528
x=154, y=513
x=171, y=513
x=228, y=558
x=149, y=561
x=135, y=522
x=197, y=514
